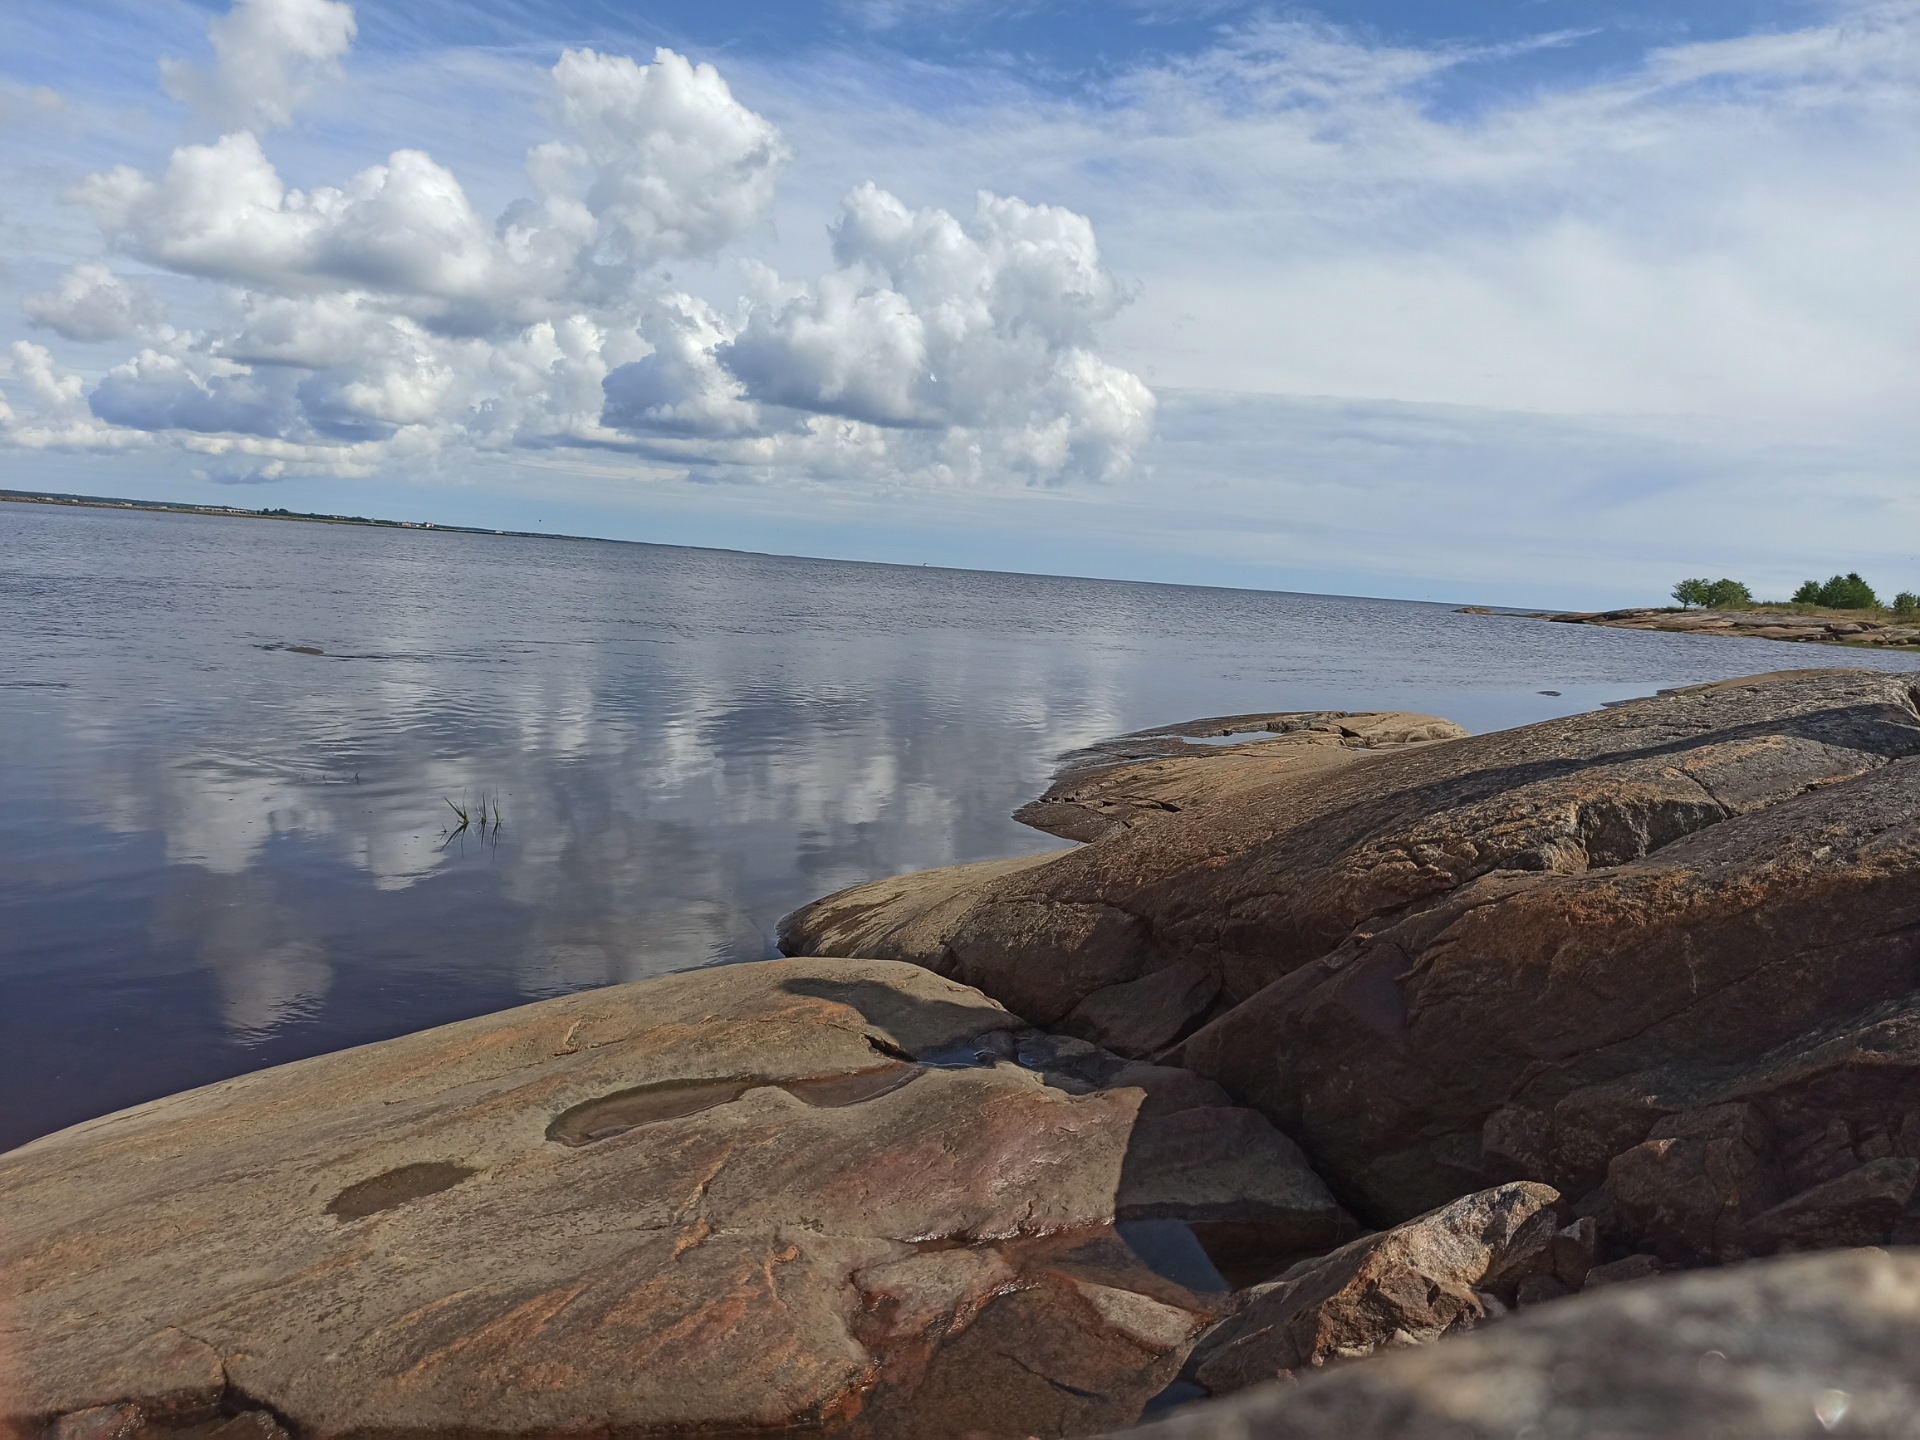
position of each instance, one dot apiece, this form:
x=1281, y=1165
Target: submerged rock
x=1803, y=1347
x=817, y=1196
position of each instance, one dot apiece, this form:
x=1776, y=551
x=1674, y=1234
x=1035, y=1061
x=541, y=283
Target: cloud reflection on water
x=231, y=855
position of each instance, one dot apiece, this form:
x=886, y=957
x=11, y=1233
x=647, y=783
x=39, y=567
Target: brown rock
x=1538, y=1290
x=1576, y=1250
x=1231, y=1168
x=1168, y=1089
x=1805, y=1347
x=717, y=1201
x=1143, y=1017
x=1696, y=1180
x=1616, y=1272
x=1858, y=1208
x=1113, y=787
x=1405, y=1286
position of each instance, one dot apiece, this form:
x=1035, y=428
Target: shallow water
x=217, y=852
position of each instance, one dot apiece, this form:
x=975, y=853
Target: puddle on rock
x=396, y=1187
x=1172, y=1251
x=979, y=1053
x=621, y=1111
x=828, y=1092
x=624, y=1110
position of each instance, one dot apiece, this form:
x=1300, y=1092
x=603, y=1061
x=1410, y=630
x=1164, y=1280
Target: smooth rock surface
x=528, y=1223
x=1788, y=1349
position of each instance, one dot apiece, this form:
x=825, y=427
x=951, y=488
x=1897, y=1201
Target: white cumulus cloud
x=270, y=56
x=386, y=317
x=91, y=304
x=972, y=340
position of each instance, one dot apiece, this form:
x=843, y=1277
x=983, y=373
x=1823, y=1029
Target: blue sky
x=1530, y=302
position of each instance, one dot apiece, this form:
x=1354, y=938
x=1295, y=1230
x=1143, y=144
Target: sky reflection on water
x=221, y=853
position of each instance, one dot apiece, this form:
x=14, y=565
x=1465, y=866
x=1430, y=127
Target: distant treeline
x=1842, y=592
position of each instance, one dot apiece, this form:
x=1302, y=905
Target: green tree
x=1906, y=603
x=1723, y=593
x=1848, y=592
x=1807, y=594
x=1692, y=592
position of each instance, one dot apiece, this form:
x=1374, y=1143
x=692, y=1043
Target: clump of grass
x=483, y=816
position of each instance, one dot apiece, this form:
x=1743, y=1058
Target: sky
x=1511, y=301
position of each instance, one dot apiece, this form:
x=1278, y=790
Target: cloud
x=270, y=57
x=679, y=167
x=91, y=304
x=387, y=316
x=971, y=341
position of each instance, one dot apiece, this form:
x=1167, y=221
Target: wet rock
x=1445, y=1271
x=1801, y=1347
x=730, y=1200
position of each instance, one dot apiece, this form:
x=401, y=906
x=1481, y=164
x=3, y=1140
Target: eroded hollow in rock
x=396, y=1187
x=621, y=1111
x=831, y=1091
x=624, y=1110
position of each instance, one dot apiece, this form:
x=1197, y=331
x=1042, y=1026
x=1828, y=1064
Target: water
x=217, y=853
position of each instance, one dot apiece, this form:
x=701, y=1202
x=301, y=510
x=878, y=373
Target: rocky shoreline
x=1328, y=1050
x=1800, y=625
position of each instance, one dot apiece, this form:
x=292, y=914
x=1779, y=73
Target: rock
x=1538, y=1290
x=1168, y=1089
x=1858, y=1208
x=1695, y=1182
x=1405, y=1286
x=731, y=1200
x=1519, y=956
x=1253, y=885
x=1591, y=1003
x=1575, y=1251
x=1633, y=1267
x=1136, y=779
x=1234, y=1177
x=1142, y=1017
x=1796, y=1347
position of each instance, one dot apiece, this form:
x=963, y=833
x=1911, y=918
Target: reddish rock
x=1697, y=1180
x=1406, y=1286
x=714, y=1202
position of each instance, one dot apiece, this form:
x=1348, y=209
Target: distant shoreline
x=238, y=512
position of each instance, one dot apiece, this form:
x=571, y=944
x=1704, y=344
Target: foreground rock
x=1664, y=958
x=724, y=1201
x=1804, y=1347
x=1448, y=1271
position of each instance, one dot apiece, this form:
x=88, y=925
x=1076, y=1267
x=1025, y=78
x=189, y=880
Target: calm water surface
x=217, y=853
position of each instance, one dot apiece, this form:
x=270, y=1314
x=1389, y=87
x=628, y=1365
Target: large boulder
x=1525, y=955
x=1804, y=1347
x=809, y=1196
